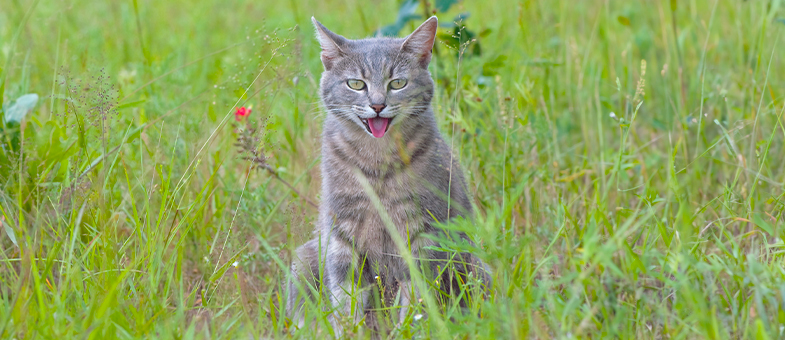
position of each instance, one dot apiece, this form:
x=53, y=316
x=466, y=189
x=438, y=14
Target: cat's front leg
x=304, y=277
x=408, y=295
x=347, y=297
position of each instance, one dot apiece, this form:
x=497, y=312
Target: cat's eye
x=397, y=84
x=355, y=84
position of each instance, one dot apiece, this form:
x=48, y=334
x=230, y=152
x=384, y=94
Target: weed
x=625, y=161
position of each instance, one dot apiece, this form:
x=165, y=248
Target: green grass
x=142, y=219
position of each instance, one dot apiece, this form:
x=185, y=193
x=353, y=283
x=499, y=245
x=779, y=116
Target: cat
x=380, y=144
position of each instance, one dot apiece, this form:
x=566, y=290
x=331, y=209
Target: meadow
x=626, y=161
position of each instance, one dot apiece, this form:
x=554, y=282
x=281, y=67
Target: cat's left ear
x=420, y=42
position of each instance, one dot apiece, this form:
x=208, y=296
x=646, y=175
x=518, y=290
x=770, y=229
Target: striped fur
x=410, y=169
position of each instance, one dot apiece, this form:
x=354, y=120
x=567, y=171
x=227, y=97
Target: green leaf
x=444, y=5
x=406, y=13
x=211, y=113
x=220, y=272
x=9, y=231
x=762, y=224
x=491, y=68
x=136, y=133
x=2, y=92
x=131, y=104
x=624, y=20
x=17, y=111
x=241, y=93
x=760, y=330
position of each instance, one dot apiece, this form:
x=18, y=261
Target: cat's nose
x=378, y=107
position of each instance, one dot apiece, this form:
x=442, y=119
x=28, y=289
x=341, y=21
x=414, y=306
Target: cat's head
x=376, y=84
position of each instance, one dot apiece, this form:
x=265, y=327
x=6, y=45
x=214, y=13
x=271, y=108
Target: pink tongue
x=378, y=126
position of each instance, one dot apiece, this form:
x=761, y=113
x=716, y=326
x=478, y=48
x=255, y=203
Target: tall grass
x=625, y=159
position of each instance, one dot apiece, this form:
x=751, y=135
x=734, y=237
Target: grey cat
x=380, y=134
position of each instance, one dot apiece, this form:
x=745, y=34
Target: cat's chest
x=365, y=215
x=370, y=193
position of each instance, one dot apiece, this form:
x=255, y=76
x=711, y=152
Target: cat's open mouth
x=377, y=126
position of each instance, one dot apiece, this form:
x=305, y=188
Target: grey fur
x=410, y=169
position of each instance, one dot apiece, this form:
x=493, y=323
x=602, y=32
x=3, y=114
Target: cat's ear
x=420, y=42
x=331, y=44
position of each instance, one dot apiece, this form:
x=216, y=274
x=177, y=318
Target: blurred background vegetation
x=625, y=157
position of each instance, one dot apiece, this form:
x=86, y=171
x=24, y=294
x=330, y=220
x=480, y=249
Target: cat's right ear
x=420, y=42
x=331, y=44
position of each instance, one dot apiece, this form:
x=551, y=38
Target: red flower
x=241, y=113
